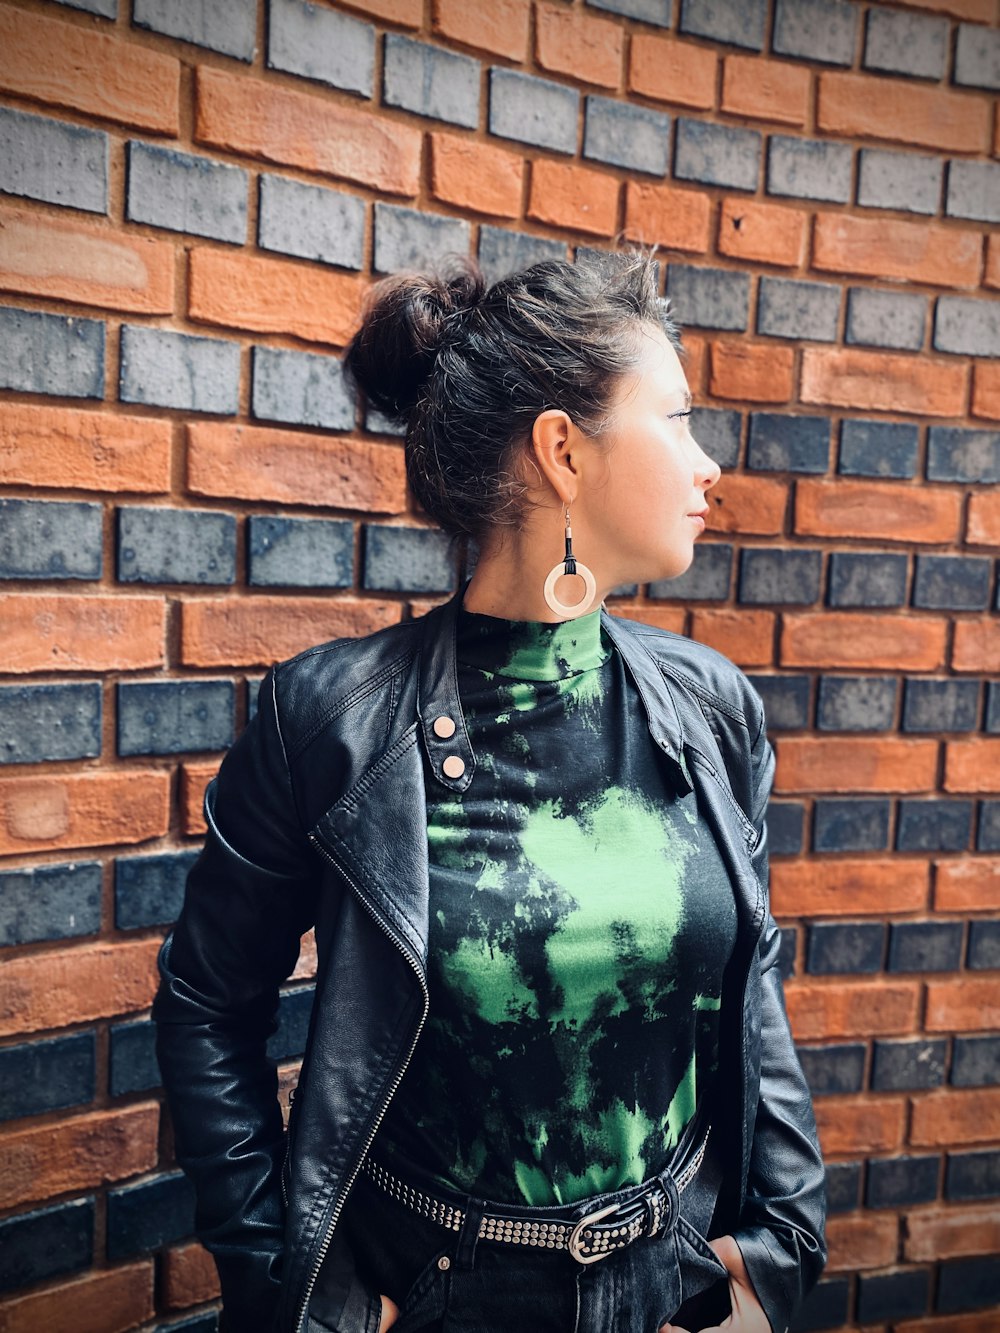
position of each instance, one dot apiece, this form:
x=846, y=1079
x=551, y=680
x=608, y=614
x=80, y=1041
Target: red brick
x=694, y=355
x=675, y=72
x=818, y=1010
x=865, y=1125
x=855, y=764
x=104, y=75
x=405, y=13
x=674, y=218
x=881, y=510
x=745, y=637
x=991, y=277
x=575, y=197
x=305, y=968
x=476, y=176
x=856, y=886
x=581, y=46
x=906, y=112
x=983, y=524
x=985, y=1321
x=765, y=89
x=870, y=1240
x=256, y=631
x=279, y=124
x=64, y=632
x=951, y=1234
x=976, y=646
x=104, y=1301
x=253, y=463
x=980, y=11
x=189, y=1276
x=970, y=1004
x=955, y=1116
x=81, y=1153
x=764, y=233
x=194, y=779
x=845, y=377
x=894, y=248
x=55, y=988
x=84, y=262
x=748, y=504
x=986, y=390
x=858, y=639
x=756, y=372
x=973, y=765
x=71, y=449
x=969, y=885
x=663, y=617
x=501, y=26
x=245, y=291
x=91, y=809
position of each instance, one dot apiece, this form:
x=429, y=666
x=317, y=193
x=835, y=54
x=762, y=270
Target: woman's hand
x=747, y=1314
x=390, y=1313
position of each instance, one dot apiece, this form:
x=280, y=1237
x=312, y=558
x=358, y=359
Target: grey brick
x=403, y=559
x=976, y=1062
x=909, y=182
x=178, y=370
x=843, y=1186
x=226, y=26
x=379, y=424
x=900, y=1065
x=925, y=946
x=502, y=252
x=408, y=238
x=785, y=700
x=717, y=155
x=824, y=1308
x=878, y=449
x=977, y=56
x=984, y=945
x=51, y=354
x=43, y=722
x=900, y=43
x=850, y=826
x=786, y=952
x=885, y=319
x=302, y=388
x=176, y=546
x=149, y=890
x=53, y=161
x=737, y=22
x=973, y=1175
x=789, y=309
x=780, y=575
x=175, y=716
x=895, y=1183
x=253, y=693
x=953, y=582
x=318, y=43
x=50, y=902
x=714, y=298
x=46, y=1242
x=940, y=705
x=954, y=454
x=626, y=135
x=658, y=12
x=901, y=1295
x=50, y=539
x=717, y=430
x=532, y=110
x=824, y=30
x=809, y=169
x=785, y=824
x=779, y=443
x=856, y=703
x=132, y=1065
x=992, y=723
x=838, y=948
x=973, y=191
x=311, y=222
x=967, y=326
x=862, y=578
x=300, y=552
x=706, y=579
x=968, y=1284
x=105, y=9
x=934, y=826
x=430, y=81
x=833, y=1070
x=41, y=1076
x=150, y=1214
x=181, y=192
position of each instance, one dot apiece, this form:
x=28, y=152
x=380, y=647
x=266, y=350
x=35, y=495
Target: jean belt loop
x=465, y=1251
x=671, y=1205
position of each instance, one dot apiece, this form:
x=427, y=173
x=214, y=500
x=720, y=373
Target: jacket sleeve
x=248, y=900
x=781, y=1232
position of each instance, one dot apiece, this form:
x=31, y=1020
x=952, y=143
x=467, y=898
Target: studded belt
x=617, y=1220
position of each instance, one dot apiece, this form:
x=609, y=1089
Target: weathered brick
x=946, y=1233
x=717, y=430
x=51, y=354
x=898, y=109
x=476, y=176
x=533, y=110
x=83, y=809
x=256, y=631
x=174, y=716
x=175, y=546
x=785, y=699
x=112, y=1299
x=927, y=946
x=878, y=449
x=976, y=1060
x=967, y=885
x=976, y=645
x=182, y=192
x=955, y=1118
x=165, y=369
x=50, y=902
x=856, y=703
x=833, y=1070
x=973, y=191
x=972, y=765
x=46, y=722
x=627, y=135
x=898, y=1066
x=132, y=1065
x=658, y=12
x=748, y=504
x=992, y=722
x=968, y=1284
x=406, y=238
x=986, y=390
x=883, y=381
x=964, y=1004
x=851, y=826
x=300, y=552
x=709, y=297
x=972, y=1175
x=843, y=1188
x=824, y=30
x=765, y=90
x=406, y=559
x=300, y=388
x=318, y=43
x=780, y=575
x=500, y=28
x=676, y=219
x=148, y=1215
x=41, y=1076
x=780, y=443
x=843, y=639
x=822, y=1009
x=790, y=309
x=707, y=579
x=717, y=154
x=900, y=43
x=901, y=1295
x=785, y=824
x=738, y=22
x=988, y=837
x=107, y=9
x=46, y=1243
x=190, y=1276
x=809, y=169
x=501, y=251
x=89, y=451
x=953, y=582
x=768, y=233
x=578, y=45
x=853, y=764
x=565, y=194
x=940, y=705
x=670, y=71
x=430, y=81
x=53, y=632
x=53, y=161
x=977, y=56
x=862, y=578
x=840, y=947
x=226, y=26
x=885, y=319
x=747, y=637
x=826, y=1306
x=894, y=1182
x=967, y=326
x=311, y=222
x=50, y=539
x=918, y=252
x=149, y=890
x=955, y=454
x=289, y=1041
x=909, y=182
x=58, y=987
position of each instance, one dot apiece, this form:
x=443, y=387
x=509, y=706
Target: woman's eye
x=679, y=416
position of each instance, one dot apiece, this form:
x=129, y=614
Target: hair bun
x=404, y=320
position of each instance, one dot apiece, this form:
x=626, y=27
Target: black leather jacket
x=317, y=818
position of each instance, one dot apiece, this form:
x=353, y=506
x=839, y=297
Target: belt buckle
x=576, y=1236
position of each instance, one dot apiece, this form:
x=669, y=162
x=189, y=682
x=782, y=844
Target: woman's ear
x=553, y=439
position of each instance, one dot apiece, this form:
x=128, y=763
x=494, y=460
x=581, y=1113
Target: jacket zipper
x=321, y=1255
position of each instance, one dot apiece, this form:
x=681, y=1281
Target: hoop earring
x=569, y=565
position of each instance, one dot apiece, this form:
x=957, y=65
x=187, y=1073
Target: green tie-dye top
x=580, y=923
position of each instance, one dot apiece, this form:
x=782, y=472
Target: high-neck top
x=532, y=649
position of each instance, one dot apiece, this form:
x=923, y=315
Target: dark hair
x=469, y=368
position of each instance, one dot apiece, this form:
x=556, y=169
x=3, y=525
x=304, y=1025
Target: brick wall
x=195, y=195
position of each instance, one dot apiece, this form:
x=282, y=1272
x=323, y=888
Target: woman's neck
x=509, y=579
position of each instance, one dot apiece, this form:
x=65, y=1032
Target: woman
x=549, y=1082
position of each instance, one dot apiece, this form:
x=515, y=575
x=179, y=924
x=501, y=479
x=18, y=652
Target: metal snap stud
x=444, y=1263
x=444, y=726
x=453, y=766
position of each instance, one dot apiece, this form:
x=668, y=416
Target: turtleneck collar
x=532, y=649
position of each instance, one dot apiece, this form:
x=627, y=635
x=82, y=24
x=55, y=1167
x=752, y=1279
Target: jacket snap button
x=444, y=1263
x=453, y=766
x=444, y=727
